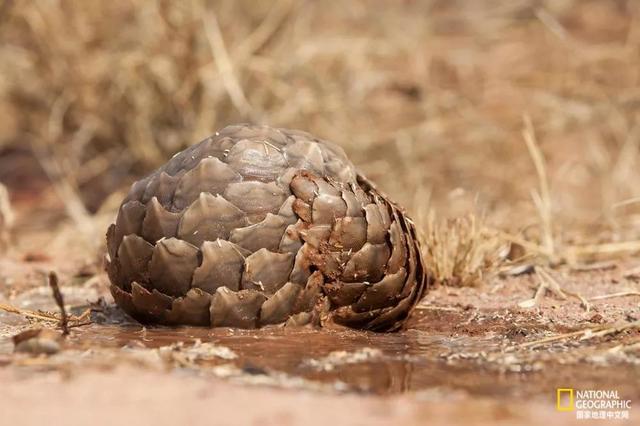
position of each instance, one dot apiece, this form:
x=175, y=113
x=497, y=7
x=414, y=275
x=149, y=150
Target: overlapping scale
x=266, y=234
x=222, y=266
x=260, y=160
x=158, y=222
x=305, y=154
x=129, y=221
x=266, y=271
x=163, y=187
x=236, y=309
x=367, y=264
x=256, y=199
x=210, y=176
x=280, y=306
x=192, y=309
x=152, y=302
x=376, y=227
x=134, y=255
x=257, y=226
x=349, y=233
x=172, y=265
x=382, y=293
x=327, y=208
x=209, y=218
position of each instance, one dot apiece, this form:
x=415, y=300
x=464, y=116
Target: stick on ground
x=57, y=296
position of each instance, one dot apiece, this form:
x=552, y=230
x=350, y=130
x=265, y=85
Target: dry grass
x=462, y=251
x=428, y=97
x=6, y=218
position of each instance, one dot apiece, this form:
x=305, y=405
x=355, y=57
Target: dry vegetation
x=462, y=251
x=445, y=104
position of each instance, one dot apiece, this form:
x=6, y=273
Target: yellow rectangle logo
x=564, y=399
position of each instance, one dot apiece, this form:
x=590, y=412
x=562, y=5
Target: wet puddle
x=432, y=362
x=355, y=361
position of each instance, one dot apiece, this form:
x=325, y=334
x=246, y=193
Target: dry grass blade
x=547, y=281
x=606, y=331
x=535, y=301
x=552, y=24
x=63, y=183
x=614, y=295
x=42, y=316
x=558, y=289
x=6, y=218
x=585, y=334
x=575, y=254
x=225, y=65
x=269, y=26
x=542, y=197
x=65, y=320
x=596, y=266
x=552, y=283
x=626, y=202
x=49, y=317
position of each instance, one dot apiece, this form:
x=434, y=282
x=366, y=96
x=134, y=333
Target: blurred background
x=524, y=113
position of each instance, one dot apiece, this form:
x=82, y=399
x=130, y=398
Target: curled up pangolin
x=257, y=225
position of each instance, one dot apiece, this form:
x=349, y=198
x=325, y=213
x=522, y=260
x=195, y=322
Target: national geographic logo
x=564, y=399
x=593, y=403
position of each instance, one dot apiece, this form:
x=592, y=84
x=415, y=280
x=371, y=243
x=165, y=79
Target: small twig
x=546, y=283
x=585, y=334
x=597, y=266
x=563, y=292
x=57, y=296
x=553, y=284
x=530, y=303
x=83, y=319
x=617, y=248
x=28, y=314
x=551, y=339
x=549, y=282
x=86, y=315
x=80, y=324
x=619, y=294
x=590, y=334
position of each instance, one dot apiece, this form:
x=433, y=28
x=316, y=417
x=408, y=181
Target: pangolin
x=256, y=226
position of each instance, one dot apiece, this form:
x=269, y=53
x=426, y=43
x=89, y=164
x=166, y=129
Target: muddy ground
x=467, y=354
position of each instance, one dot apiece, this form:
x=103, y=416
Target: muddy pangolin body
x=258, y=226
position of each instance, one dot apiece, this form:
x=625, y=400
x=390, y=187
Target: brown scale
x=257, y=226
